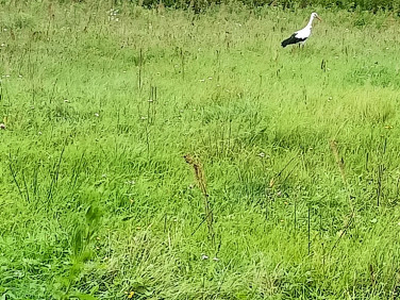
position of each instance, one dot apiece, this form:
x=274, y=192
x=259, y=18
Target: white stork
x=301, y=36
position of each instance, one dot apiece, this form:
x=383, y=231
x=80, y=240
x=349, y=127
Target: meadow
x=163, y=154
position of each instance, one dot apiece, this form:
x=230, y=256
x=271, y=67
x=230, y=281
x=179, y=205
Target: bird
x=301, y=36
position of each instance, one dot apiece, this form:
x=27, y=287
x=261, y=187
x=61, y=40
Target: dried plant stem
x=201, y=182
x=339, y=161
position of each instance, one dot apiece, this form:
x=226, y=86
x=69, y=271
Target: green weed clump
x=291, y=186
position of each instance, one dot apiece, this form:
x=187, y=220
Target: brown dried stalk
x=339, y=160
x=201, y=182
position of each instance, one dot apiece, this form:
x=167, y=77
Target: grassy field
x=292, y=185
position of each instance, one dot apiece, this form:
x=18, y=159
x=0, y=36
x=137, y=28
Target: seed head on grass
x=201, y=181
x=199, y=173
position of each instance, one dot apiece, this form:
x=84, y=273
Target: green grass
x=97, y=200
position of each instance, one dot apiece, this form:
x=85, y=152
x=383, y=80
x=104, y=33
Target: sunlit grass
x=100, y=104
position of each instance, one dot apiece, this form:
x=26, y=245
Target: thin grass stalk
x=379, y=188
x=340, y=165
x=140, y=69
x=381, y=170
x=54, y=179
x=14, y=175
x=309, y=231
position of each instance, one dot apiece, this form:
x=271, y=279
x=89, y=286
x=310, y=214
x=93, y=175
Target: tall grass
x=99, y=103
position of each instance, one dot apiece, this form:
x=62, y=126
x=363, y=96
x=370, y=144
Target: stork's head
x=315, y=15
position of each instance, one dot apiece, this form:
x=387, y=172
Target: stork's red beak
x=318, y=17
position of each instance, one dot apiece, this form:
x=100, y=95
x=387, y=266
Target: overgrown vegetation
x=290, y=188
x=203, y=5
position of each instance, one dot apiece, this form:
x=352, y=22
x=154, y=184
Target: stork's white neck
x=310, y=22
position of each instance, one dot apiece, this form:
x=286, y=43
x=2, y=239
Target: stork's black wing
x=292, y=40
